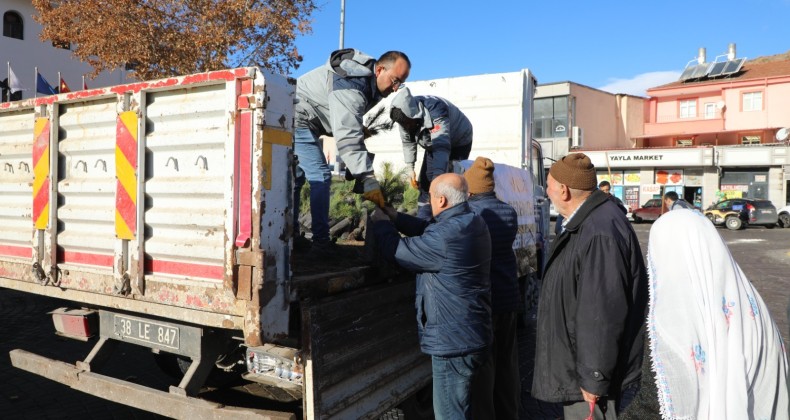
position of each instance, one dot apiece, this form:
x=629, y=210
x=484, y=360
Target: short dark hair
x=671, y=195
x=604, y=183
x=389, y=58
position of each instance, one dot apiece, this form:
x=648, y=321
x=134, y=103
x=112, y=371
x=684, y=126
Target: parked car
x=650, y=211
x=737, y=213
x=784, y=216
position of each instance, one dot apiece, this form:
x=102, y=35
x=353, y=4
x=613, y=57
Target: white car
x=784, y=216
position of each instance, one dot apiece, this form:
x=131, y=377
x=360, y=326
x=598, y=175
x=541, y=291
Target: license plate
x=162, y=335
x=766, y=211
x=146, y=332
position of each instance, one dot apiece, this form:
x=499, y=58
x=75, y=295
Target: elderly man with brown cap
x=437, y=126
x=593, y=300
x=497, y=389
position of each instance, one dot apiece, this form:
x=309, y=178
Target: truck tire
x=733, y=222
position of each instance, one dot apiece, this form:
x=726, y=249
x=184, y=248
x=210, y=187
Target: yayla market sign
x=654, y=158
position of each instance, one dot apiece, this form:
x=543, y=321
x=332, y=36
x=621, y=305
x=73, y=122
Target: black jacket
x=592, y=308
x=502, y=222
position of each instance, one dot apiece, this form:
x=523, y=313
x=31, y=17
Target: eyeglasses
x=395, y=81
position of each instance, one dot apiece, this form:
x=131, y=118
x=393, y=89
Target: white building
x=21, y=47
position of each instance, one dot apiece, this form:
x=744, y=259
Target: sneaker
x=323, y=250
x=301, y=244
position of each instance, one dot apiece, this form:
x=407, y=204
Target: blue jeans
x=313, y=167
x=452, y=385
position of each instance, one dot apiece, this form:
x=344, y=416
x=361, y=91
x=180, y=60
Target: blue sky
x=622, y=47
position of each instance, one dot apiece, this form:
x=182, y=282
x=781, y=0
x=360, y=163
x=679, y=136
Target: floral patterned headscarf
x=716, y=352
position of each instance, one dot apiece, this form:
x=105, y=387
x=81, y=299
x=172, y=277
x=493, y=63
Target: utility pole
x=342, y=22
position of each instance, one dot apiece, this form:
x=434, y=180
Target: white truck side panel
x=16, y=180
x=86, y=184
x=189, y=173
x=200, y=143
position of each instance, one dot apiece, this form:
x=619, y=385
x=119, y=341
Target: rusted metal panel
x=16, y=189
x=149, y=399
x=362, y=355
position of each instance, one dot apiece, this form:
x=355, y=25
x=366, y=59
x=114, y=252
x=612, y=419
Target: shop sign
x=651, y=189
x=640, y=158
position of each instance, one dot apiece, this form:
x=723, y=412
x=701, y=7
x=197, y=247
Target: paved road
x=763, y=254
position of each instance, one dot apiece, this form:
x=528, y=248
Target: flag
x=84, y=85
x=43, y=87
x=13, y=82
x=63, y=86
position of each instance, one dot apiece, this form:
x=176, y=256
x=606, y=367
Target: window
x=684, y=143
x=12, y=25
x=688, y=108
x=710, y=110
x=753, y=101
x=550, y=117
x=750, y=140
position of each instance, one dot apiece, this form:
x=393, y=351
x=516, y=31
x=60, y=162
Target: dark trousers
x=497, y=389
x=428, y=173
x=452, y=385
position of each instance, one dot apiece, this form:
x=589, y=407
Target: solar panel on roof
x=733, y=66
x=700, y=71
x=687, y=73
x=717, y=68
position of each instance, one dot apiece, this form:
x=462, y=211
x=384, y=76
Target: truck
x=163, y=210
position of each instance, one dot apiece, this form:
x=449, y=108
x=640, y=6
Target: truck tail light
x=274, y=364
x=79, y=324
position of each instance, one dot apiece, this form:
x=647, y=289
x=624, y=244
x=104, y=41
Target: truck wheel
x=733, y=223
x=784, y=220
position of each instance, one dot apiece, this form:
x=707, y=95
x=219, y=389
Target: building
x=569, y=116
x=21, y=47
x=711, y=134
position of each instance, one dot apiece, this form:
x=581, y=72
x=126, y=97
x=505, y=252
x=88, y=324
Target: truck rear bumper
x=134, y=395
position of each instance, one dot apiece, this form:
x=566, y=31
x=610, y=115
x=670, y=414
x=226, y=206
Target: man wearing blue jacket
x=437, y=126
x=331, y=101
x=451, y=257
x=497, y=390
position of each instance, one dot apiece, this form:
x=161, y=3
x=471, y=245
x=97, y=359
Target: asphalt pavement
x=764, y=255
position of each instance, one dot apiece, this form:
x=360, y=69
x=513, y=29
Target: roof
x=753, y=69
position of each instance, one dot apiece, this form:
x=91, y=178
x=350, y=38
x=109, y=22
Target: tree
x=159, y=38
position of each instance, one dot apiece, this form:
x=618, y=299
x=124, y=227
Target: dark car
x=650, y=211
x=737, y=213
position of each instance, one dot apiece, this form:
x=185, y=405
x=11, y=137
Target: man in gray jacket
x=331, y=100
x=437, y=126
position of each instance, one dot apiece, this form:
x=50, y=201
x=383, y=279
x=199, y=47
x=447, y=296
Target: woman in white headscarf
x=715, y=351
